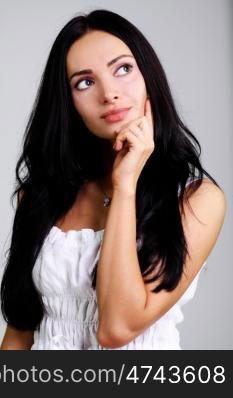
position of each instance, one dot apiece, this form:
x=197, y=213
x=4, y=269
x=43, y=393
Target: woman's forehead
x=95, y=46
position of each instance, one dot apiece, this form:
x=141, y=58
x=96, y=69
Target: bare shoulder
x=201, y=225
x=207, y=184
x=208, y=201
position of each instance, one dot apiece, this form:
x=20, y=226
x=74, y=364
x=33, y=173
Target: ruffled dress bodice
x=62, y=274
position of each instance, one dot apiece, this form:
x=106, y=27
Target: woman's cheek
x=135, y=84
x=79, y=104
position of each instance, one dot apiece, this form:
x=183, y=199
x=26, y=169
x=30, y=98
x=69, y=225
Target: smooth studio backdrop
x=193, y=39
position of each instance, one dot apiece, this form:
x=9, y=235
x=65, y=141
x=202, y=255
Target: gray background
x=193, y=39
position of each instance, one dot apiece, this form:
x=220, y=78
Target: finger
x=120, y=140
x=129, y=137
x=137, y=131
x=128, y=125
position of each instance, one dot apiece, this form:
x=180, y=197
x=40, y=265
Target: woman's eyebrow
x=89, y=71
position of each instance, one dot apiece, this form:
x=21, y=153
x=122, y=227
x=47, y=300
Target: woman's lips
x=116, y=117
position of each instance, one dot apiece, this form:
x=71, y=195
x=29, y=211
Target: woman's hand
x=135, y=143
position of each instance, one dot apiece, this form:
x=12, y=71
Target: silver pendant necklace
x=107, y=199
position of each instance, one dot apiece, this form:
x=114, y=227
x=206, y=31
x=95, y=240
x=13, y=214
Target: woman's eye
x=127, y=66
x=80, y=85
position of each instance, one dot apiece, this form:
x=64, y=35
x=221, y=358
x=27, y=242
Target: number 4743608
x=175, y=374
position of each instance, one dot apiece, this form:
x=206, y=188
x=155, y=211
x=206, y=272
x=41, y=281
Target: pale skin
x=126, y=305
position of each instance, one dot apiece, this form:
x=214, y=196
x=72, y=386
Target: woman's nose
x=108, y=93
x=109, y=97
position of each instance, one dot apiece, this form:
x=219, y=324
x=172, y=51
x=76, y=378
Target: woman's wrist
x=125, y=188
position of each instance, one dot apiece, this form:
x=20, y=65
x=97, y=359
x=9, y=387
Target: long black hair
x=59, y=153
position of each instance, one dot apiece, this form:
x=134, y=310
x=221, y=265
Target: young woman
x=114, y=219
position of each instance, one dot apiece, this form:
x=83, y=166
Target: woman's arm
x=15, y=339
x=121, y=293
x=126, y=304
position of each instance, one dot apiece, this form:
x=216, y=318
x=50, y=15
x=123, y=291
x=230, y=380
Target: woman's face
x=117, y=85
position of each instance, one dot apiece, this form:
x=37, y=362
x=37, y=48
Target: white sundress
x=62, y=274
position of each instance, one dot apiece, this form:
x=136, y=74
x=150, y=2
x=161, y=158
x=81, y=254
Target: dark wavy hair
x=59, y=153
